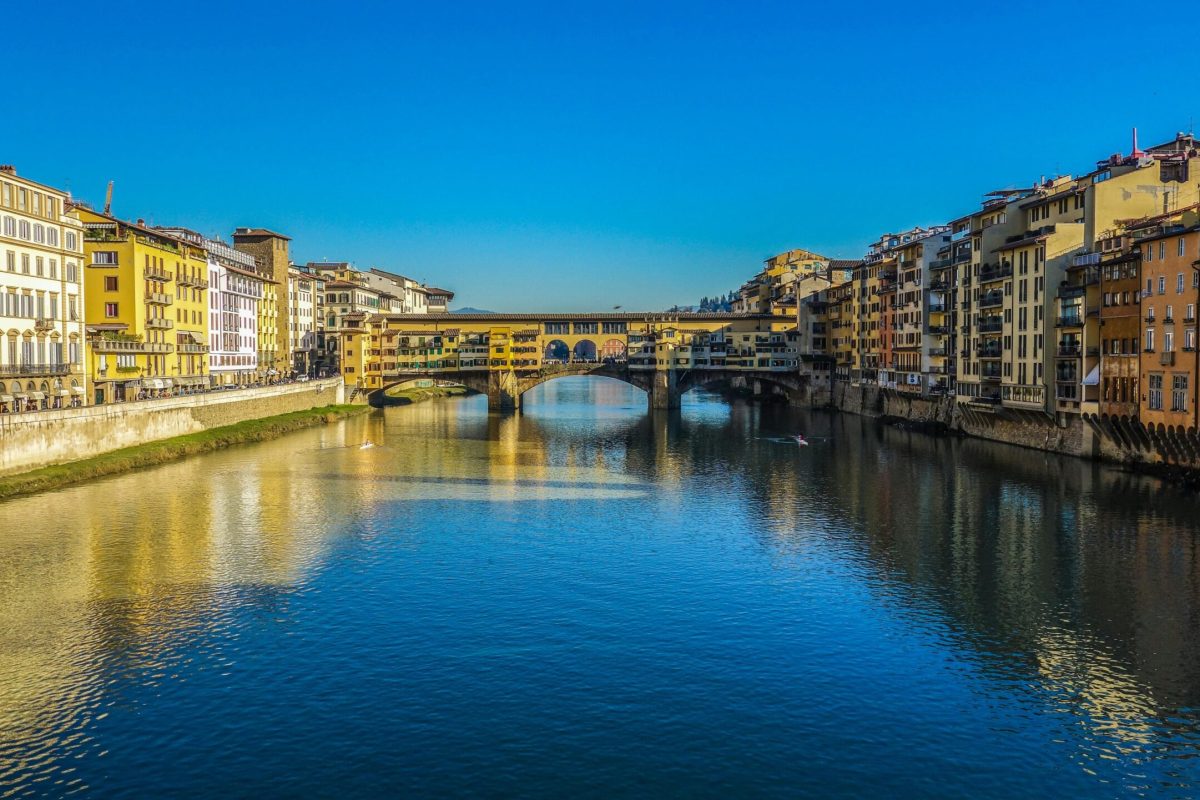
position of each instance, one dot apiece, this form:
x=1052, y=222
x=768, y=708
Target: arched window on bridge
x=613, y=350
x=585, y=350
x=557, y=352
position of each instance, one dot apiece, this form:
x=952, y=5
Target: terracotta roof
x=635, y=316
x=435, y=290
x=259, y=232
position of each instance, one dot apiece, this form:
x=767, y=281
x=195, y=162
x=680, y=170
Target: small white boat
x=366, y=445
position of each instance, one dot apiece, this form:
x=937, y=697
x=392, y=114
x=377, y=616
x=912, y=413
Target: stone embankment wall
x=40, y=439
x=1027, y=429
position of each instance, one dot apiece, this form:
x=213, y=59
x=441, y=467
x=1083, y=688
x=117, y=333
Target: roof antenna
x=1136, y=152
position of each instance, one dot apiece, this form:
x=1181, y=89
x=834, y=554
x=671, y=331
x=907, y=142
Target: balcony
x=1167, y=359
x=20, y=370
x=191, y=347
x=1069, y=321
x=127, y=346
x=199, y=283
x=158, y=299
x=936, y=308
x=156, y=274
x=990, y=375
x=939, y=330
x=938, y=286
x=1086, y=260
x=940, y=263
x=1068, y=350
x=995, y=273
x=1168, y=320
x=159, y=323
x=937, y=352
x=1067, y=292
x=991, y=300
x=991, y=325
x=43, y=325
x=989, y=351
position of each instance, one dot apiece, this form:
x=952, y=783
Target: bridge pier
x=503, y=393
x=664, y=390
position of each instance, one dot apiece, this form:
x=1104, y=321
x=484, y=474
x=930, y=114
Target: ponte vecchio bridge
x=506, y=355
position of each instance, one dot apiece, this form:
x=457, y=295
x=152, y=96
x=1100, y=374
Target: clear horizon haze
x=540, y=156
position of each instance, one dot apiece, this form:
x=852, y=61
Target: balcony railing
x=156, y=274
x=1069, y=321
x=127, y=346
x=1068, y=350
x=995, y=273
x=191, y=348
x=939, y=330
x=16, y=370
x=992, y=300
x=990, y=374
x=159, y=323
x=158, y=299
x=989, y=351
x=994, y=325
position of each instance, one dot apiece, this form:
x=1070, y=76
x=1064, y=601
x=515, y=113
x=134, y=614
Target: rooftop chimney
x=141, y=221
x=1136, y=152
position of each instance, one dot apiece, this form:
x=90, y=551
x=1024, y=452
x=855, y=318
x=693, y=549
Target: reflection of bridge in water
x=506, y=355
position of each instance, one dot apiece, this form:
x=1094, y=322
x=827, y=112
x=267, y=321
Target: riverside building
x=235, y=292
x=146, y=309
x=41, y=297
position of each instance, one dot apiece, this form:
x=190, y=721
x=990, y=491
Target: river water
x=587, y=600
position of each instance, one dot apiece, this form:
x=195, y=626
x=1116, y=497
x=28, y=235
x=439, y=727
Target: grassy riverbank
x=160, y=452
x=403, y=396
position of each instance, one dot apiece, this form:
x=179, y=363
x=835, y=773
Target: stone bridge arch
x=664, y=388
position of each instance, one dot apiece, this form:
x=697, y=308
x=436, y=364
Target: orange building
x=1170, y=290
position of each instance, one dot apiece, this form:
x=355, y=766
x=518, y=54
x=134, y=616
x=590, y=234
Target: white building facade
x=41, y=298
x=235, y=292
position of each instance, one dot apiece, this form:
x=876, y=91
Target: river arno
x=587, y=600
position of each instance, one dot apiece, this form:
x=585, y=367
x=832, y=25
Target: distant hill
x=470, y=310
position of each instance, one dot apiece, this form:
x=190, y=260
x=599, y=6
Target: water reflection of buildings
x=110, y=581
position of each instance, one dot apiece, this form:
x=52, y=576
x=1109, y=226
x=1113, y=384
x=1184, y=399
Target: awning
x=21, y=396
x=37, y=395
x=1093, y=377
x=153, y=383
x=77, y=390
x=61, y=393
x=6, y=398
x=167, y=383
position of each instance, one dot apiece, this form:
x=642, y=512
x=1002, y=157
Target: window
x=1179, y=280
x=70, y=237
x=110, y=283
x=23, y=229
x=1162, y=250
x=1179, y=385
x=1156, y=387
x=106, y=257
x=1179, y=246
x=1150, y=340
x=52, y=237
x=1168, y=341
x=1162, y=284
x=110, y=310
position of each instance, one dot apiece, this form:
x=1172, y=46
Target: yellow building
x=146, y=310
x=268, y=331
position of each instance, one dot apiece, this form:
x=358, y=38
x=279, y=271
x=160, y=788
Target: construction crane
x=108, y=199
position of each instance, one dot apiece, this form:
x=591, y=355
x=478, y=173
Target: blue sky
x=572, y=156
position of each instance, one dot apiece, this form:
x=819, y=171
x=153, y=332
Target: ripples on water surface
x=588, y=600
